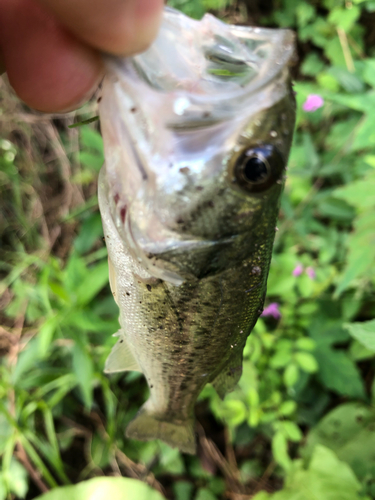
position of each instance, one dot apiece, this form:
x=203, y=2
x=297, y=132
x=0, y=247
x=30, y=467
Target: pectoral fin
x=121, y=358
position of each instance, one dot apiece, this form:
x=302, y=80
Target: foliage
x=118, y=488
x=307, y=388
x=325, y=478
x=197, y=8
x=364, y=332
x=348, y=430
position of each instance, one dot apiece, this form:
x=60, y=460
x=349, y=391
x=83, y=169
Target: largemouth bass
x=197, y=132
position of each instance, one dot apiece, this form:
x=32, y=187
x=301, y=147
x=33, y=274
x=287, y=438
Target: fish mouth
x=209, y=70
x=209, y=57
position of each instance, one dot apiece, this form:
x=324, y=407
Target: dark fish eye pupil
x=258, y=168
x=255, y=170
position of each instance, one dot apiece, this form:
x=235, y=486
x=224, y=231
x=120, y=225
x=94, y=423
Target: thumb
x=121, y=27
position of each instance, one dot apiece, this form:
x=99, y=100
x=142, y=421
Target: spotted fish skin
x=195, y=164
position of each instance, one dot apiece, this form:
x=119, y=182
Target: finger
x=121, y=27
x=49, y=68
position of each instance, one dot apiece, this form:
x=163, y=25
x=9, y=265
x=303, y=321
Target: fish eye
x=258, y=168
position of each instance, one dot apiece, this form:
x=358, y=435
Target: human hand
x=50, y=48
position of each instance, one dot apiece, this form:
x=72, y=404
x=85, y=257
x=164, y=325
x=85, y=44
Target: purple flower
x=310, y=273
x=298, y=270
x=313, y=102
x=272, y=310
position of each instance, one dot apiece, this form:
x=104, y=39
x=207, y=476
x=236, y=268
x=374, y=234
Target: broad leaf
x=349, y=431
x=115, y=488
x=327, y=478
x=363, y=332
x=338, y=372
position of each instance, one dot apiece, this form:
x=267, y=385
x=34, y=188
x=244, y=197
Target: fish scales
x=197, y=132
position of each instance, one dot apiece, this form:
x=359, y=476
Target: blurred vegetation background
x=301, y=424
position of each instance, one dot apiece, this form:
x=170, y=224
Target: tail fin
x=148, y=425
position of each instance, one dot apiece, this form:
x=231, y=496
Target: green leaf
x=327, y=466
x=84, y=370
x=312, y=64
x=75, y=271
x=5, y=432
x=262, y=495
x=171, y=460
x=369, y=72
x=45, y=334
x=287, y=408
x=234, y=412
x=344, y=18
x=306, y=361
x=358, y=352
x=333, y=50
x=338, y=372
x=280, y=359
x=215, y=4
x=336, y=209
x=3, y=488
x=291, y=375
x=280, y=450
x=348, y=430
x=305, y=343
x=26, y=360
x=348, y=81
x=18, y=479
x=359, y=102
x=100, y=451
x=90, y=232
x=327, y=478
x=193, y=9
x=183, y=490
x=94, y=162
x=204, y=494
x=326, y=331
x=92, y=139
x=361, y=242
x=364, y=134
x=305, y=13
x=92, y=283
x=291, y=430
x=115, y=488
x=87, y=321
x=359, y=263
x=363, y=332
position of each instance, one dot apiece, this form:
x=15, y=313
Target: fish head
x=197, y=132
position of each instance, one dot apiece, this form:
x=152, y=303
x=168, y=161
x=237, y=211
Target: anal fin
x=121, y=358
x=228, y=378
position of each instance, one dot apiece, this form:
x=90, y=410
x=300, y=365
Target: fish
x=197, y=132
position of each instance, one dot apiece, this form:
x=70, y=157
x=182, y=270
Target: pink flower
x=272, y=310
x=310, y=273
x=298, y=270
x=312, y=103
